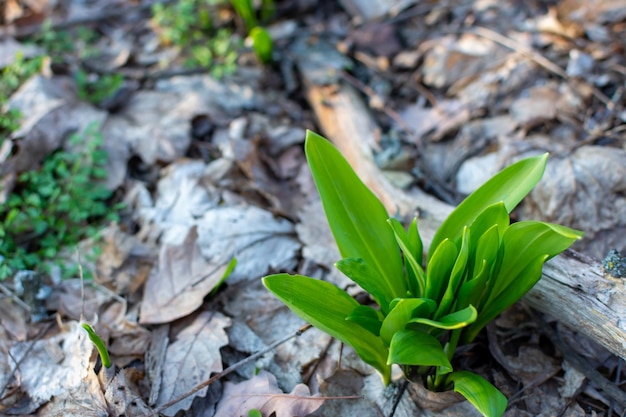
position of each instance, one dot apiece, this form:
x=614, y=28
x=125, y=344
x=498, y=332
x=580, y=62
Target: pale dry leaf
x=122, y=396
x=262, y=393
x=50, y=115
x=153, y=125
x=584, y=190
x=255, y=237
x=180, y=282
x=60, y=367
x=191, y=359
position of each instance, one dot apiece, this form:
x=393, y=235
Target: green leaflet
x=411, y=245
x=439, y=269
x=262, y=44
x=326, y=307
x=356, y=217
x=368, y=278
x=410, y=347
x=477, y=390
x=452, y=321
x=509, y=186
x=368, y=318
x=456, y=276
x=403, y=310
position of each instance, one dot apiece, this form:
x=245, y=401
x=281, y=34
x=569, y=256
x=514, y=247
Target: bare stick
x=228, y=371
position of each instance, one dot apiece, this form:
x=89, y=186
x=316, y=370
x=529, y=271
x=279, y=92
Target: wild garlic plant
x=478, y=264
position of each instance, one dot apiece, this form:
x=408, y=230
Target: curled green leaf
x=96, y=340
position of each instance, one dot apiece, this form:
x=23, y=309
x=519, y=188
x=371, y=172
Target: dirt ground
x=439, y=96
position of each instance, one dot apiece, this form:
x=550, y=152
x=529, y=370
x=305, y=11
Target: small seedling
x=478, y=265
x=96, y=340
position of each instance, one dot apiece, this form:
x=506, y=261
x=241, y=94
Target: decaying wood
x=573, y=288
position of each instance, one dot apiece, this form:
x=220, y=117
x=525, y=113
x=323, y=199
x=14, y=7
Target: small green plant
x=191, y=25
x=478, y=265
x=11, y=78
x=100, y=345
x=55, y=206
x=96, y=88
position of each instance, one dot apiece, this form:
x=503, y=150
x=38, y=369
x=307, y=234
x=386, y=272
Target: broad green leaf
x=521, y=283
x=416, y=241
x=451, y=321
x=368, y=278
x=368, y=318
x=410, y=347
x=456, y=276
x=356, y=217
x=470, y=291
x=402, y=311
x=326, y=307
x=439, y=268
x=488, y=247
x=496, y=214
x=509, y=186
x=409, y=249
x=487, y=399
x=523, y=242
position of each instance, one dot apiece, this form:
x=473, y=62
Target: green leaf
x=368, y=318
x=356, y=217
x=509, y=186
x=452, y=321
x=403, y=310
x=410, y=248
x=368, y=278
x=487, y=399
x=439, y=269
x=525, y=241
x=326, y=307
x=410, y=347
x=456, y=276
x=262, y=44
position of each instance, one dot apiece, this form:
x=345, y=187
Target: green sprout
x=478, y=265
x=96, y=340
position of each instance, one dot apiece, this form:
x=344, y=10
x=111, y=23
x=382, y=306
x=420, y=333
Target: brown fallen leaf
x=262, y=393
x=191, y=359
x=180, y=283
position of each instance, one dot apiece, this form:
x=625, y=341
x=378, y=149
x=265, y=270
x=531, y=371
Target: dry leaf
x=122, y=396
x=61, y=367
x=255, y=237
x=585, y=191
x=191, y=359
x=262, y=393
x=180, y=283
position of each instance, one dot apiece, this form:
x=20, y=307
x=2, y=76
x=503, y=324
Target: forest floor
x=206, y=164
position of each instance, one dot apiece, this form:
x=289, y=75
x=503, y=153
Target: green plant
x=97, y=88
x=478, y=265
x=11, y=78
x=260, y=38
x=192, y=25
x=55, y=206
x=100, y=345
